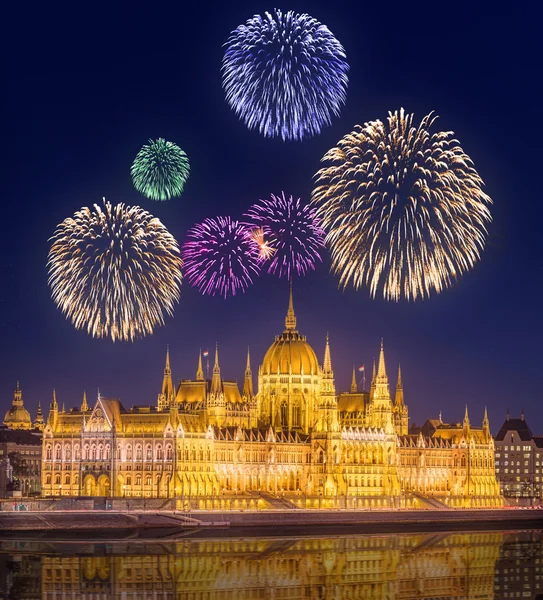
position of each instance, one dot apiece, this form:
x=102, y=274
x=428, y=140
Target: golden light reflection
x=405, y=567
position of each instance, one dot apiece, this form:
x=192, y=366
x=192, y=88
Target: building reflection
x=402, y=567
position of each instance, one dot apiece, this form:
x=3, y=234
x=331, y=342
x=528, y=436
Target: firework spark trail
x=293, y=231
x=160, y=170
x=285, y=74
x=403, y=208
x=266, y=251
x=114, y=271
x=220, y=257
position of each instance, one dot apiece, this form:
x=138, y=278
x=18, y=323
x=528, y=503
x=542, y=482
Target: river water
x=486, y=565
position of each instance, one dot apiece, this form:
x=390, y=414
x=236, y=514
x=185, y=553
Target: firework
x=220, y=257
x=114, y=271
x=160, y=170
x=292, y=230
x=266, y=251
x=403, y=208
x=285, y=74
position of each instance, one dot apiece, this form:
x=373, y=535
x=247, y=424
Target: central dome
x=17, y=417
x=290, y=354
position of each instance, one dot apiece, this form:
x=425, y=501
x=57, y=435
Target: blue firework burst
x=285, y=74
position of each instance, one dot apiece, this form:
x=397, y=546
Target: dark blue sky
x=88, y=85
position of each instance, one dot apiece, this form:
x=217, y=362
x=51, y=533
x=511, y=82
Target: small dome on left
x=17, y=417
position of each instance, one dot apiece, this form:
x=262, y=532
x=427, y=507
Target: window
x=138, y=479
x=159, y=454
x=67, y=480
x=57, y=479
x=148, y=480
x=57, y=453
x=48, y=452
x=169, y=452
x=129, y=452
x=148, y=452
x=129, y=480
x=138, y=452
x=48, y=479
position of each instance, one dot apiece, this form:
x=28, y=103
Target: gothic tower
x=167, y=394
x=401, y=414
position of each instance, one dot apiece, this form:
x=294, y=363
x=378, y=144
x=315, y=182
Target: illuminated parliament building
x=294, y=442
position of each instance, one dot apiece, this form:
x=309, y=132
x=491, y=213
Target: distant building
x=20, y=460
x=21, y=439
x=519, y=459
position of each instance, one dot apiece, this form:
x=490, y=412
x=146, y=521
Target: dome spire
x=290, y=321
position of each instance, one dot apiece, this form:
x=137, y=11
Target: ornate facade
x=293, y=443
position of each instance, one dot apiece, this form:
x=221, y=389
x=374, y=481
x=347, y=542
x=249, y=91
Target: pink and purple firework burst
x=292, y=230
x=220, y=257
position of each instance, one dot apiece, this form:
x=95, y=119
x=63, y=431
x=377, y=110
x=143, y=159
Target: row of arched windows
x=103, y=452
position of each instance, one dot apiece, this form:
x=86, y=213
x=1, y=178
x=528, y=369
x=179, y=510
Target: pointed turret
x=54, y=404
x=486, y=425
x=290, y=321
x=399, y=399
x=53, y=412
x=381, y=371
x=327, y=363
x=167, y=384
x=200, y=370
x=216, y=386
x=63, y=408
x=84, y=405
x=248, y=381
x=354, y=387
x=466, y=425
x=39, y=422
x=522, y=415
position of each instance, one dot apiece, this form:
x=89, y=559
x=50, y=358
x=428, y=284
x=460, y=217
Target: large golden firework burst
x=114, y=271
x=403, y=208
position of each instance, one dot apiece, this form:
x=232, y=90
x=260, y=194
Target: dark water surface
x=484, y=565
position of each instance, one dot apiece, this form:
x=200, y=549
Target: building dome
x=17, y=417
x=290, y=354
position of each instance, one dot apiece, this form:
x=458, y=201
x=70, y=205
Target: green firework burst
x=160, y=170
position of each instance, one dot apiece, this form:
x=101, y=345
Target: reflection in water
x=402, y=567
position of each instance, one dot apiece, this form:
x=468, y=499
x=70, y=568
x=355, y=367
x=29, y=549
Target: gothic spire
x=84, y=405
x=216, y=379
x=248, y=381
x=167, y=384
x=354, y=387
x=290, y=321
x=399, y=399
x=200, y=371
x=485, y=420
x=54, y=405
x=381, y=371
x=466, y=420
x=327, y=364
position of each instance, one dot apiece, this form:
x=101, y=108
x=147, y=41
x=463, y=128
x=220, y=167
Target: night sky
x=87, y=86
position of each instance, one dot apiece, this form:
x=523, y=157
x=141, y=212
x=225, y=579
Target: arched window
x=77, y=454
x=57, y=479
x=128, y=480
x=138, y=452
x=100, y=452
x=201, y=454
x=67, y=452
x=129, y=452
x=138, y=479
x=169, y=452
x=93, y=452
x=107, y=452
x=67, y=479
x=48, y=479
x=148, y=480
x=57, y=452
x=284, y=413
x=463, y=460
x=48, y=452
x=159, y=454
x=119, y=451
x=76, y=479
x=148, y=452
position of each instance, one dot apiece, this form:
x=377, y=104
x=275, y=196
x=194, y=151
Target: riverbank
x=111, y=524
